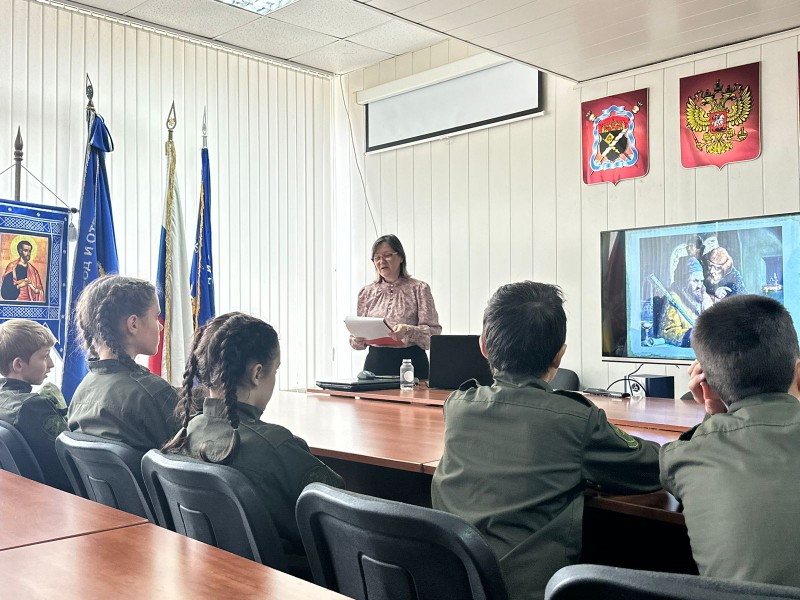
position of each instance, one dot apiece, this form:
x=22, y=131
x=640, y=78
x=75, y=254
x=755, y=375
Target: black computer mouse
x=366, y=375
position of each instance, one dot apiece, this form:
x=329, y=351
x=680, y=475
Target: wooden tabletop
x=387, y=434
x=143, y=561
x=383, y=433
x=667, y=414
x=32, y=512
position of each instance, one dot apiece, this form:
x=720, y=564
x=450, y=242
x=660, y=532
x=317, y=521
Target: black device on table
x=363, y=382
x=456, y=359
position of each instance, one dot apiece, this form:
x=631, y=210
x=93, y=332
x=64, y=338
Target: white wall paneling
x=269, y=141
x=480, y=209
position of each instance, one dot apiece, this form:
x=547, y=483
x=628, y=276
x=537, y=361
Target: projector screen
x=499, y=93
x=656, y=281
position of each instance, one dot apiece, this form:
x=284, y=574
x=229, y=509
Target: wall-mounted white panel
x=488, y=96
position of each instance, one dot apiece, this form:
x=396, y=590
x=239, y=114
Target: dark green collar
x=511, y=379
x=15, y=385
x=215, y=407
x=112, y=365
x=768, y=398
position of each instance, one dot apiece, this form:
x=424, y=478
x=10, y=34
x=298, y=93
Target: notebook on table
x=456, y=358
x=359, y=385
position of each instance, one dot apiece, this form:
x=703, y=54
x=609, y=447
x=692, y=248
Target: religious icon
x=24, y=258
x=33, y=265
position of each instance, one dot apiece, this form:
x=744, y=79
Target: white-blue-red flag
x=201, y=280
x=96, y=252
x=172, y=281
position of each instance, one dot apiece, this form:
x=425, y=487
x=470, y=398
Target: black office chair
x=106, y=471
x=578, y=582
x=15, y=454
x=214, y=504
x=373, y=549
x=566, y=380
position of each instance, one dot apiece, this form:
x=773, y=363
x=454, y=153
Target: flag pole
x=18, y=163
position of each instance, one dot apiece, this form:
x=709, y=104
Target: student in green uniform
x=518, y=455
x=119, y=399
x=235, y=358
x=39, y=416
x=738, y=473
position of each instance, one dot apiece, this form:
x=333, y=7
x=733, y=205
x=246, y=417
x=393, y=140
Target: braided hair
x=103, y=308
x=222, y=350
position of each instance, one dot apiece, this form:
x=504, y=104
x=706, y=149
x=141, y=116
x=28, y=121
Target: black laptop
x=455, y=359
x=360, y=385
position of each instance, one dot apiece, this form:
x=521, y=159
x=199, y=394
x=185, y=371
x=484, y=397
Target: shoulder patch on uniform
x=468, y=385
x=53, y=425
x=574, y=396
x=632, y=442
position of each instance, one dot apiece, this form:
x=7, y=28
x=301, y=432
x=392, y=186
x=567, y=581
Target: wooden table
x=665, y=414
x=32, y=513
x=143, y=561
x=385, y=434
x=420, y=395
x=390, y=450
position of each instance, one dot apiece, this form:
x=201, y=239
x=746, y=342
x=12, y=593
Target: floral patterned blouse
x=407, y=301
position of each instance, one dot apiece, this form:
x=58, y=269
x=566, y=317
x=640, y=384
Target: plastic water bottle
x=407, y=375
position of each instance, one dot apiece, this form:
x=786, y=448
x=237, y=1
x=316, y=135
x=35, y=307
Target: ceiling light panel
x=260, y=7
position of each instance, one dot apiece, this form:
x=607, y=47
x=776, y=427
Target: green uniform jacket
x=517, y=459
x=738, y=477
x=39, y=419
x=124, y=403
x=278, y=464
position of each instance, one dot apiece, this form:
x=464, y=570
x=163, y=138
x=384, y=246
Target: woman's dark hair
x=222, y=350
x=524, y=327
x=103, y=308
x=396, y=246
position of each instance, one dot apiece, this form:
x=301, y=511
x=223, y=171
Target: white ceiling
x=577, y=39
x=331, y=35
x=584, y=40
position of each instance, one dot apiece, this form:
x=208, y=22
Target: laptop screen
x=455, y=359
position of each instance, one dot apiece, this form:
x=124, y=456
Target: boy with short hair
x=24, y=362
x=738, y=473
x=518, y=455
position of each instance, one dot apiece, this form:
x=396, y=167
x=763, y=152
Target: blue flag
x=96, y=252
x=201, y=275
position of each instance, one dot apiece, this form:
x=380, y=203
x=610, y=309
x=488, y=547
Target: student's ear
x=16, y=365
x=482, y=344
x=794, y=389
x=557, y=360
x=132, y=324
x=254, y=374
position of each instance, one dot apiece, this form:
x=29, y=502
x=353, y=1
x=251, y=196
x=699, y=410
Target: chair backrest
x=212, y=503
x=577, y=582
x=15, y=454
x=566, y=379
x=373, y=549
x=106, y=471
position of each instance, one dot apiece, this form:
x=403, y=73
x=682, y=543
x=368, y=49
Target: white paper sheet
x=369, y=328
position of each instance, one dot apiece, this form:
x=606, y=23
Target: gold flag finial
x=89, y=93
x=172, y=121
x=205, y=129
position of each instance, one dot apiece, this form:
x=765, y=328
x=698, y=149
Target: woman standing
x=406, y=305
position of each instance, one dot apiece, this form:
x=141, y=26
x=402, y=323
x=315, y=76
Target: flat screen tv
x=657, y=280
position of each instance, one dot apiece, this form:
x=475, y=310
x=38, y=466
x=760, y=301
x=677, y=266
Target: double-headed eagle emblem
x=719, y=116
